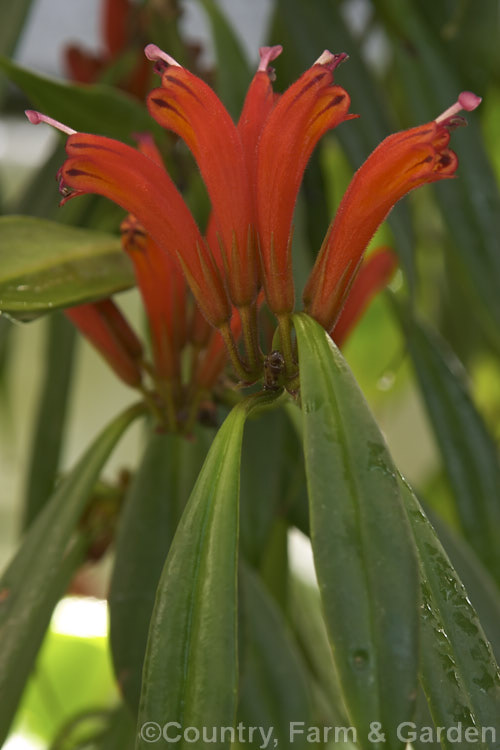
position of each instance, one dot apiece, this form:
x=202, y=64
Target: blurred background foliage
x=426, y=353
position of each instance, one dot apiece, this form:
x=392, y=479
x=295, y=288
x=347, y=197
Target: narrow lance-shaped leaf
x=363, y=549
x=471, y=203
x=480, y=585
x=469, y=453
x=154, y=505
x=274, y=693
x=190, y=672
x=48, y=429
x=13, y=16
x=32, y=583
x=458, y=670
x=45, y=266
x=310, y=630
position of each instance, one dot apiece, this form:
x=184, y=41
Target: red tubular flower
x=375, y=273
x=310, y=107
x=188, y=107
x=118, y=25
x=163, y=291
x=402, y=162
x=105, y=327
x=259, y=102
x=143, y=188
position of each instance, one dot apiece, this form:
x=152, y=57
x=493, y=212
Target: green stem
x=285, y=329
x=241, y=371
x=248, y=315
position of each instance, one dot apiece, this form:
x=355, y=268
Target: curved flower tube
x=142, y=187
x=374, y=274
x=310, y=107
x=105, y=327
x=401, y=163
x=190, y=108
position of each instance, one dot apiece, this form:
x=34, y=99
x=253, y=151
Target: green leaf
x=305, y=29
x=233, y=72
x=363, y=550
x=273, y=688
x=482, y=589
x=95, y=108
x=41, y=570
x=458, y=669
x=13, y=16
x=270, y=445
x=154, y=505
x=48, y=431
x=190, y=671
x=45, y=266
x=471, y=203
x=469, y=453
x=310, y=629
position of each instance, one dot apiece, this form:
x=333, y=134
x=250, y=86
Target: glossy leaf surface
x=190, y=671
x=469, y=453
x=458, y=670
x=363, y=550
x=273, y=686
x=154, y=505
x=45, y=266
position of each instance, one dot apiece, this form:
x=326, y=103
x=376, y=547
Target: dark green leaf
x=45, y=266
x=458, y=670
x=482, y=589
x=309, y=626
x=363, y=550
x=48, y=429
x=471, y=203
x=270, y=468
x=273, y=686
x=469, y=453
x=90, y=109
x=153, y=508
x=41, y=570
x=13, y=16
x=190, y=671
x=233, y=73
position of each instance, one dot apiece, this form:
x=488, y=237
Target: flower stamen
x=466, y=101
x=37, y=117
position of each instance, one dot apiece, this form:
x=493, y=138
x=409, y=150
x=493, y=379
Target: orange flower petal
x=188, y=106
x=310, y=107
x=163, y=290
x=106, y=167
x=100, y=327
x=402, y=162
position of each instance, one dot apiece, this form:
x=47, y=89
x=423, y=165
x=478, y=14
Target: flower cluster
x=252, y=171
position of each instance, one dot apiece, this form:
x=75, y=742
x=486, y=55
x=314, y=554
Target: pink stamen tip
x=37, y=117
x=331, y=61
x=154, y=53
x=469, y=101
x=466, y=100
x=267, y=55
